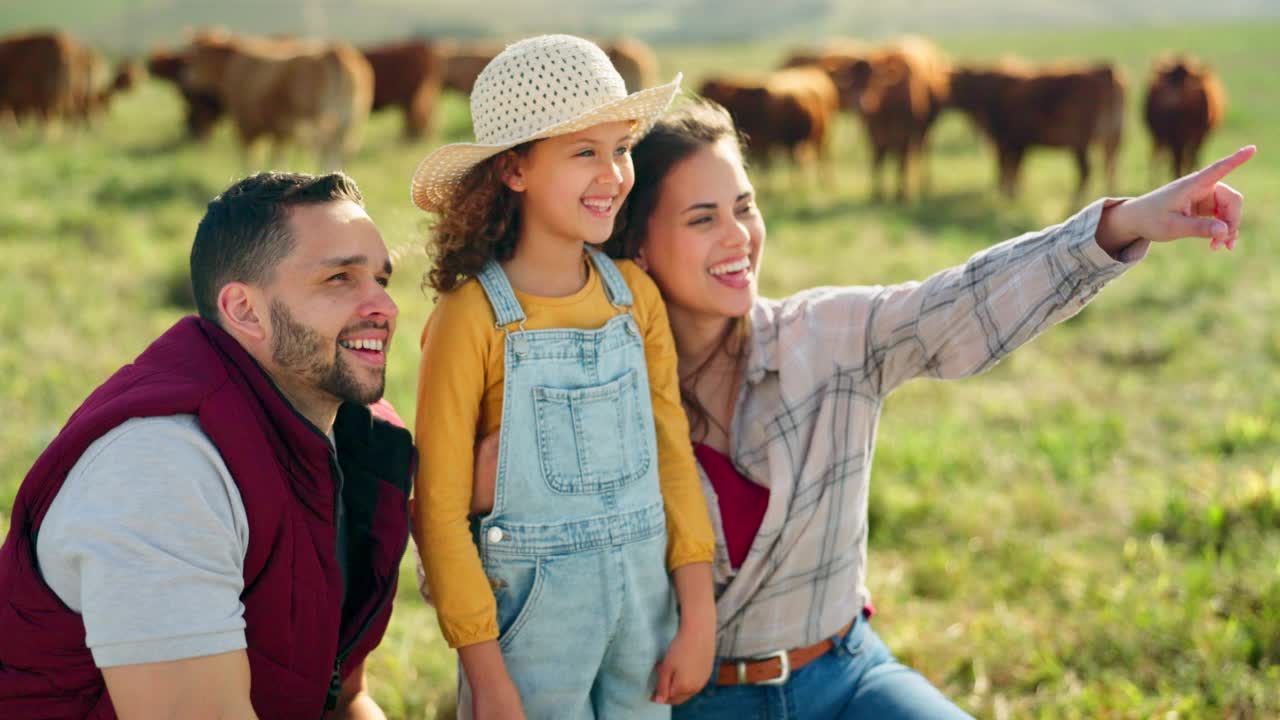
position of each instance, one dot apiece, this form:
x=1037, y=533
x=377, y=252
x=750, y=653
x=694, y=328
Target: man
x=217, y=530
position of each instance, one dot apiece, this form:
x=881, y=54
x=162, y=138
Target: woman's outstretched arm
x=965, y=319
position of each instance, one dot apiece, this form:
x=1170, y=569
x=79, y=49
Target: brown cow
x=802, y=57
x=1185, y=101
x=93, y=89
x=52, y=76
x=790, y=109
x=202, y=108
x=129, y=74
x=318, y=91
x=838, y=60
x=463, y=63
x=1057, y=107
x=634, y=61
x=407, y=75
x=898, y=92
x=37, y=76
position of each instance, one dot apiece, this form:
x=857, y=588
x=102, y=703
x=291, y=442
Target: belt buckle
x=783, y=657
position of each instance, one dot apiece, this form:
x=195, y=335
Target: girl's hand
x=687, y=665
x=1196, y=205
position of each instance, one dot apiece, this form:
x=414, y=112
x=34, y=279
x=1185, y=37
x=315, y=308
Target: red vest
x=298, y=628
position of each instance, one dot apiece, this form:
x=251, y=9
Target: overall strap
x=619, y=293
x=506, y=308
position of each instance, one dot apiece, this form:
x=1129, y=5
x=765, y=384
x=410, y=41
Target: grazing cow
x=129, y=74
x=838, y=60
x=1185, y=101
x=790, y=109
x=202, y=108
x=463, y=63
x=93, y=89
x=52, y=76
x=409, y=76
x=802, y=57
x=898, y=93
x=286, y=90
x=634, y=61
x=1057, y=107
x=88, y=73
x=36, y=76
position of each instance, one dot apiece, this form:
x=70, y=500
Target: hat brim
x=441, y=171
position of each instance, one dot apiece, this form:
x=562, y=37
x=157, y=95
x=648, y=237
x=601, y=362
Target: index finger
x=665, y=675
x=1210, y=175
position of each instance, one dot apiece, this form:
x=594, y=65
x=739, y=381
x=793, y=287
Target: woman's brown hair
x=682, y=132
x=480, y=222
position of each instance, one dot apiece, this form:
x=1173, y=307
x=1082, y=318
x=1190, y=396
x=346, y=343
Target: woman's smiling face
x=705, y=235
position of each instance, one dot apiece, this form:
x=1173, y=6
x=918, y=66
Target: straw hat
x=537, y=88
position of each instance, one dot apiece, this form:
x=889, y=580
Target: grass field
x=1090, y=530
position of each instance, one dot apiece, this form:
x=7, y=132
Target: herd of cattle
x=899, y=90
x=321, y=93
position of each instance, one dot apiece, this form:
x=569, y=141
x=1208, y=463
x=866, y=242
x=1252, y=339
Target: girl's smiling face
x=573, y=185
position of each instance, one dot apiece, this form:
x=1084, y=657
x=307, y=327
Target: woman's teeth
x=731, y=267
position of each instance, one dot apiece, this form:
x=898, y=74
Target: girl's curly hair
x=480, y=222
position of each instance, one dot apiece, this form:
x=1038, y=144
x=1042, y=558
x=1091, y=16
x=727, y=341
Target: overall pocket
x=591, y=440
x=517, y=589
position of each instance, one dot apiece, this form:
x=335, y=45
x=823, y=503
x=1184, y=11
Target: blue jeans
x=858, y=679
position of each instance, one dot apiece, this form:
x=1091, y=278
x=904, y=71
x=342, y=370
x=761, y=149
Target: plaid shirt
x=820, y=364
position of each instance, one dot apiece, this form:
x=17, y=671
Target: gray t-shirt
x=147, y=540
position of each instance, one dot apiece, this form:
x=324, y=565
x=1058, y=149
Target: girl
x=558, y=600
x=784, y=397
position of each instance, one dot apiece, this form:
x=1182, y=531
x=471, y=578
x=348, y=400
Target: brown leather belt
x=774, y=668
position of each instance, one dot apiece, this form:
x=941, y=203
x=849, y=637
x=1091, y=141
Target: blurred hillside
x=127, y=25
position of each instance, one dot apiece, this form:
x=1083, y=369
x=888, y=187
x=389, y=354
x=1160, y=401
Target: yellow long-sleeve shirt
x=460, y=385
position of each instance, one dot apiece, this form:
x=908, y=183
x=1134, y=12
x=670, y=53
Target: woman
x=784, y=396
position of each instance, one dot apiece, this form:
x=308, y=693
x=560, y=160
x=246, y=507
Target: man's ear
x=511, y=172
x=641, y=261
x=243, y=311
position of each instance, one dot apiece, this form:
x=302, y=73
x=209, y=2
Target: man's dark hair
x=245, y=231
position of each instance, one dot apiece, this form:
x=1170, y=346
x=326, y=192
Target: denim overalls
x=575, y=547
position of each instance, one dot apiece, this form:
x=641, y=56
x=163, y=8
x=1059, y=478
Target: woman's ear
x=510, y=171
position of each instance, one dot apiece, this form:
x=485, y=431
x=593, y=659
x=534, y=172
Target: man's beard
x=301, y=350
